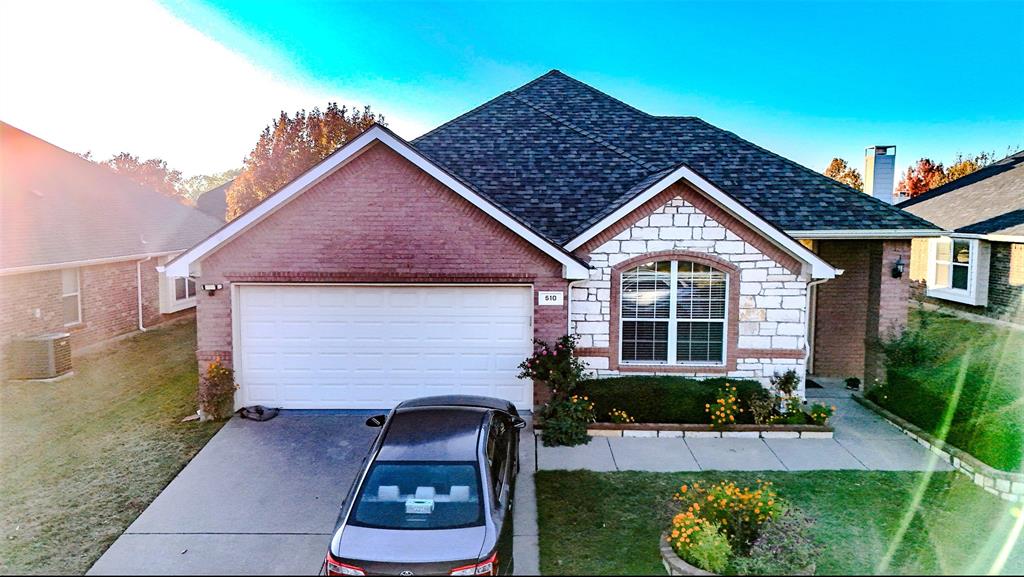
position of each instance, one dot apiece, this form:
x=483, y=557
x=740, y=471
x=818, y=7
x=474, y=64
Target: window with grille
x=673, y=312
x=71, y=296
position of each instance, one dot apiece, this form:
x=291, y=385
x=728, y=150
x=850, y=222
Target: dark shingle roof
x=56, y=207
x=987, y=201
x=560, y=155
x=214, y=202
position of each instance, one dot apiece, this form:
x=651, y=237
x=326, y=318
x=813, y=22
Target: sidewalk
x=863, y=441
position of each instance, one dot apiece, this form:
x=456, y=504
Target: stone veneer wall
x=772, y=304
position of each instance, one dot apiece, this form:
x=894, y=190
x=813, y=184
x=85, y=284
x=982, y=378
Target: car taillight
x=488, y=566
x=332, y=567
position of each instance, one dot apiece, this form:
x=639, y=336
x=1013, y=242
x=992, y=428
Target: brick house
x=669, y=246
x=978, y=267
x=80, y=246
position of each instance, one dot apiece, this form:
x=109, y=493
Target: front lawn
x=987, y=419
x=81, y=458
x=662, y=399
x=610, y=523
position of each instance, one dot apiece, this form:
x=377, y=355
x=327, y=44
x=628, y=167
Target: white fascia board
x=818, y=267
x=865, y=234
x=989, y=237
x=84, y=263
x=187, y=263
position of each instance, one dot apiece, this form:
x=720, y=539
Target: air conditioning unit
x=40, y=357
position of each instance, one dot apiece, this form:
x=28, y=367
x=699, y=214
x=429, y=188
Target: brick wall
x=1005, y=282
x=767, y=305
x=30, y=304
x=855, y=310
x=377, y=219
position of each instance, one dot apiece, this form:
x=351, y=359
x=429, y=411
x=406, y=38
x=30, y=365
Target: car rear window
x=419, y=495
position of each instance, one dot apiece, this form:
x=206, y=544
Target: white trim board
x=83, y=263
x=865, y=234
x=818, y=267
x=184, y=265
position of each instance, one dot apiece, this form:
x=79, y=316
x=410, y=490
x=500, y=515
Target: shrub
x=566, y=420
x=792, y=413
x=786, y=384
x=725, y=408
x=700, y=543
x=784, y=547
x=762, y=405
x=820, y=414
x=663, y=399
x=556, y=365
x=216, y=396
x=739, y=511
x=908, y=348
x=620, y=416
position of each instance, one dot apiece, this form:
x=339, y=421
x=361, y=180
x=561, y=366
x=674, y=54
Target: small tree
x=840, y=170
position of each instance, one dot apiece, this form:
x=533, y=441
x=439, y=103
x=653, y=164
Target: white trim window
x=176, y=293
x=673, y=312
x=71, y=295
x=958, y=270
x=184, y=289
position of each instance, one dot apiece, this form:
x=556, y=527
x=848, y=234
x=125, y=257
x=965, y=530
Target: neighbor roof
x=214, y=202
x=561, y=155
x=987, y=201
x=56, y=207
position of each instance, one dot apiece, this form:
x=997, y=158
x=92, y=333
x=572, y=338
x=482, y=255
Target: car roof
x=460, y=401
x=433, y=433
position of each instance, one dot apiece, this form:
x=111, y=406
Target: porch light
x=212, y=288
x=897, y=267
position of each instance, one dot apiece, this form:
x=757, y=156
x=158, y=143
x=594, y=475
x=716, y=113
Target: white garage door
x=369, y=347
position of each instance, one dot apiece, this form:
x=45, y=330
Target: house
x=214, y=202
x=79, y=246
x=978, y=267
x=667, y=245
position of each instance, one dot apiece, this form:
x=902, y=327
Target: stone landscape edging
x=1004, y=484
x=673, y=430
x=676, y=565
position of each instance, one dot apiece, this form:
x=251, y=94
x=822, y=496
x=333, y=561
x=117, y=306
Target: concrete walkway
x=863, y=441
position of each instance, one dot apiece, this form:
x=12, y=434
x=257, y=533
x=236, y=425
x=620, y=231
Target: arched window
x=673, y=312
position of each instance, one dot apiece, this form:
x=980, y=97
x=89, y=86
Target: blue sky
x=809, y=80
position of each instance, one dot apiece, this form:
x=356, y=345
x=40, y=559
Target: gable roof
x=58, y=208
x=183, y=265
x=987, y=201
x=214, y=202
x=562, y=156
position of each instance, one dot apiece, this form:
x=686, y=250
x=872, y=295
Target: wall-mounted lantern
x=212, y=288
x=898, y=267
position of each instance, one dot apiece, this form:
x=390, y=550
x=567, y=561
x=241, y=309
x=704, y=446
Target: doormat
x=813, y=385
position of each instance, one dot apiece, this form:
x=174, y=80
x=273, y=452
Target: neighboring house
x=214, y=202
x=79, y=246
x=669, y=246
x=979, y=266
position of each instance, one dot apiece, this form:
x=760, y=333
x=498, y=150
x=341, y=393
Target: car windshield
x=418, y=495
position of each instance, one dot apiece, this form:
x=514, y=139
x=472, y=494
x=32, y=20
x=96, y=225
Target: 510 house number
x=550, y=298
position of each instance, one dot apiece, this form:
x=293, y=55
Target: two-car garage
x=310, y=346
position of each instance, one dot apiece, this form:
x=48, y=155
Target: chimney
x=880, y=171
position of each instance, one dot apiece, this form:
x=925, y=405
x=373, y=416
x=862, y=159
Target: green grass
x=662, y=399
x=81, y=458
x=988, y=419
x=610, y=523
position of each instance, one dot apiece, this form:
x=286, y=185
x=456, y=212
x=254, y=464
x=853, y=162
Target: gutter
x=841, y=234
x=568, y=306
x=84, y=263
x=138, y=286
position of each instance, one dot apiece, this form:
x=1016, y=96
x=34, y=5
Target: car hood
x=410, y=546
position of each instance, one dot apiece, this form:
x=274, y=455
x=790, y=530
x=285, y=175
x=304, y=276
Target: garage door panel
x=373, y=346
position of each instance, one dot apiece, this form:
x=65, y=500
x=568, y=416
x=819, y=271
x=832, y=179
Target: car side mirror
x=376, y=421
x=519, y=423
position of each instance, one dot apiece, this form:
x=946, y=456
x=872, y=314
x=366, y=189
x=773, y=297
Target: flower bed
x=724, y=527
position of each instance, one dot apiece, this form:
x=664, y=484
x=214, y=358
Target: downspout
x=138, y=286
x=808, y=338
x=568, y=306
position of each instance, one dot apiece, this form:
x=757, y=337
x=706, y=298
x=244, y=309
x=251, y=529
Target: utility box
x=40, y=357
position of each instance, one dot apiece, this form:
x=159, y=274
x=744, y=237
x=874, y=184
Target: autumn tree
x=290, y=146
x=921, y=177
x=964, y=165
x=194, y=186
x=840, y=170
x=153, y=173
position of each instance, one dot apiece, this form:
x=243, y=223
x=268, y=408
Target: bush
x=786, y=384
x=762, y=405
x=566, y=420
x=704, y=546
x=556, y=365
x=820, y=414
x=663, y=399
x=621, y=417
x=784, y=547
x=739, y=511
x=217, y=395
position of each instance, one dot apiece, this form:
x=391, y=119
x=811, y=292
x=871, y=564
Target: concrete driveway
x=260, y=498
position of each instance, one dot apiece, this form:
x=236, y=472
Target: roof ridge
x=559, y=73
x=593, y=137
x=974, y=177
x=881, y=203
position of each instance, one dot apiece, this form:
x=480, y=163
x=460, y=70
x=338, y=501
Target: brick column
x=888, y=303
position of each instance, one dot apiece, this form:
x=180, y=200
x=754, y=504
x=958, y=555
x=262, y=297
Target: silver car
x=435, y=494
